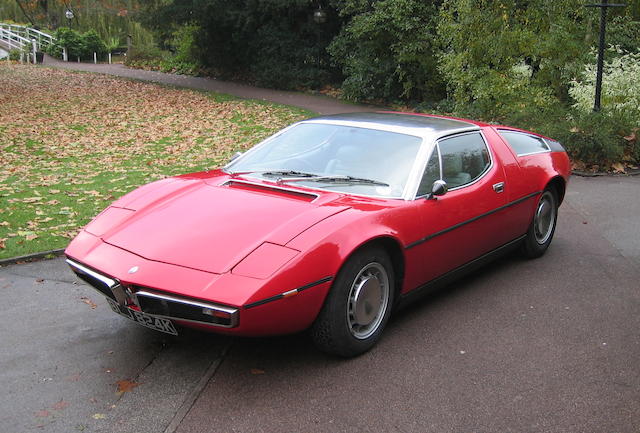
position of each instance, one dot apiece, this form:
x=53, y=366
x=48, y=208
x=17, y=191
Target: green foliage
x=93, y=43
x=594, y=138
x=624, y=33
x=275, y=43
x=155, y=59
x=185, y=57
x=526, y=52
x=387, y=50
x=110, y=18
x=145, y=57
x=620, y=84
x=78, y=45
x=112, y=44
x=14, y=55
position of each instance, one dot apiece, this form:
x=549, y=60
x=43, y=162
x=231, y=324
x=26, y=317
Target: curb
x=600, y=174
x=31, y=257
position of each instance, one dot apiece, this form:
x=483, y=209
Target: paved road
x=549, y=345
x=317, y=103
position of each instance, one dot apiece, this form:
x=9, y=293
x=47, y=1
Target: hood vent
x=272, y=190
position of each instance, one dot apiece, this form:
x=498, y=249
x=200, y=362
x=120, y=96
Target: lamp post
x=319, y=16
x=69, y=15
x=603, y=24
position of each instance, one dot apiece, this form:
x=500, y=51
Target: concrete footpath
x=548, y=345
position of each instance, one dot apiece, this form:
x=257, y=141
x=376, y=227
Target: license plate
x=158, y=323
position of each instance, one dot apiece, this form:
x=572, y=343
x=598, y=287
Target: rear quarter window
x=524, y=144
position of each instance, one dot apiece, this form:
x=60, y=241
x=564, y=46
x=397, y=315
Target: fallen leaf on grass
x=89, y=302
x=126, y=386
x=2, y=244
x=31, y=237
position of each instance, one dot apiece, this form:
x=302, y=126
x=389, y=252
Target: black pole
x=603, y=25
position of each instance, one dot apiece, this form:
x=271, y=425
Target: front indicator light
x=216, y=313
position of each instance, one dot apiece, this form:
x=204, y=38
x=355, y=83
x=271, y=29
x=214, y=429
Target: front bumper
x=282, y=304
x=157, y=304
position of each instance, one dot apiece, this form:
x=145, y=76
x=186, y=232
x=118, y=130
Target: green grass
x=76, y=142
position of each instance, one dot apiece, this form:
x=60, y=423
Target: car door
x=465, y=222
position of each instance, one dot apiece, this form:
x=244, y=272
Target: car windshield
x=334, y=157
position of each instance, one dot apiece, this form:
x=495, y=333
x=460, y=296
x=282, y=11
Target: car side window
x=464, y=159
x=522, y=143
x=431, y=173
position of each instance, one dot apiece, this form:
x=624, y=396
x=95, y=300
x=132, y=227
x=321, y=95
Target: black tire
x=358, y=306
x=543, y=225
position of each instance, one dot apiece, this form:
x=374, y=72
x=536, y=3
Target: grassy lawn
x=71, y=143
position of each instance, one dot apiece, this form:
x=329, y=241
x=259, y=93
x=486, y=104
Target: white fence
x=22, y=37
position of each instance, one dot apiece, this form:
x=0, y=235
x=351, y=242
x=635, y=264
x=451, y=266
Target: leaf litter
x=70, y=143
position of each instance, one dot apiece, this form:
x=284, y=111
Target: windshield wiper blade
x=334, y=179
x=275, y=173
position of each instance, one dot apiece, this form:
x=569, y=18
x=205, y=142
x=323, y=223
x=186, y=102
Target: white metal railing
x=20, y=37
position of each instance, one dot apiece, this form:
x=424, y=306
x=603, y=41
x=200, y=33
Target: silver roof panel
x=427, y=127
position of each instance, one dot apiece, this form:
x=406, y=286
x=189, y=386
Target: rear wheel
x=358, y=305
x=543, y=226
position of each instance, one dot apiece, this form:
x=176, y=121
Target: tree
x=387, y=50
x=277, y=43
x=503, y=54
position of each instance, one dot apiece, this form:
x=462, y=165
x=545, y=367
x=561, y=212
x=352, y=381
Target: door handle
x=498, y=187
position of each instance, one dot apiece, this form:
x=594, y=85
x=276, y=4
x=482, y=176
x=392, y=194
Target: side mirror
x=439, y=188
x=235, y=156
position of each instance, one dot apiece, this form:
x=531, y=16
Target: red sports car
x=330, y=224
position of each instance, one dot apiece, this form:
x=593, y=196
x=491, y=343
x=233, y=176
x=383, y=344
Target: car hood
x=209, y=227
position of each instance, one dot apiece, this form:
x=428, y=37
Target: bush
x=93, y=44
x=14, y=55
x=596, y=139
x=282, y=61
x=620, y=84
x=145, y=57
x=525, y=55
x=273, y=43
x=185, y=52
x=78, y=45
x=387, y=51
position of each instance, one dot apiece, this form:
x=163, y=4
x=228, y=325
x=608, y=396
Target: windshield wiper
x=333, y=179
x=299, y=176
x=276, y=173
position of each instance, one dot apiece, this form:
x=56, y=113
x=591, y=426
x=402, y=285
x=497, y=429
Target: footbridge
x=25, y=39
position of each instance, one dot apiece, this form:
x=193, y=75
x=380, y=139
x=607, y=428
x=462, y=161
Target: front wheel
x=543, y=226
x=358, y=305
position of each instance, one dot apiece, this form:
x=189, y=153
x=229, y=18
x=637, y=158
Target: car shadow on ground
x=298, y=348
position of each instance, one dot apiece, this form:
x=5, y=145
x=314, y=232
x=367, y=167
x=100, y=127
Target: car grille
x=157, y=304
x=186, y=309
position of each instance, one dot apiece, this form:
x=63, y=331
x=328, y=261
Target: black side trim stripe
x=288, y=293
x=458, y=272
x=447, y=230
